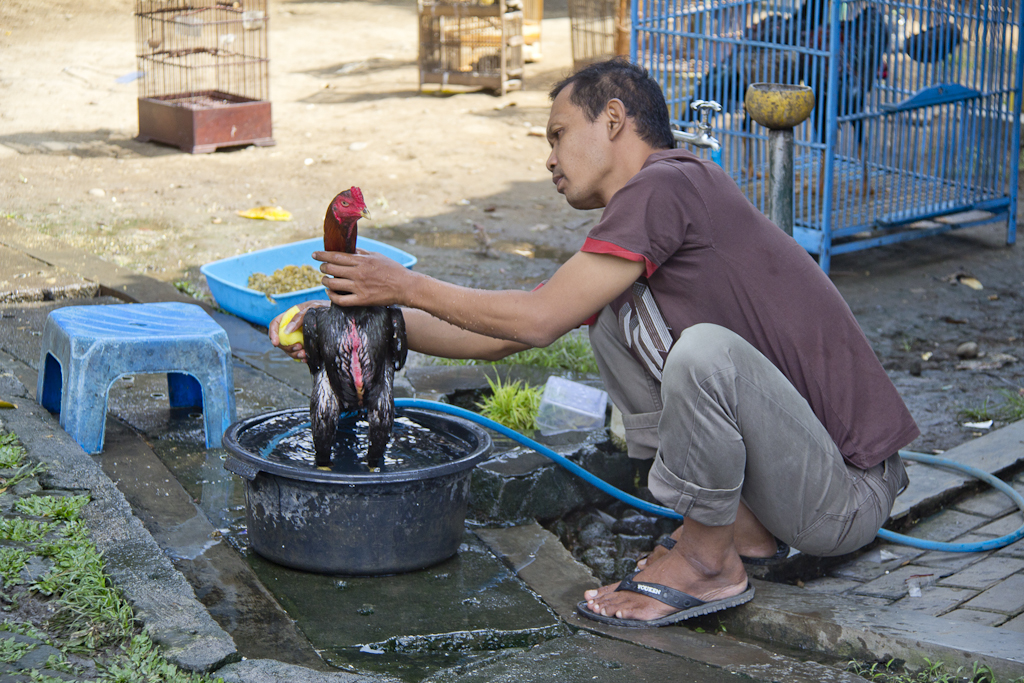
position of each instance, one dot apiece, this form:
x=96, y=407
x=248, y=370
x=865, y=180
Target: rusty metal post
x=780, y=178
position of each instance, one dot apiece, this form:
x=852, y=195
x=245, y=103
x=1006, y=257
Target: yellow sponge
x=289, y=338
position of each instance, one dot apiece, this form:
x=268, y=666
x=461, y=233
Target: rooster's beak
x=365, y=213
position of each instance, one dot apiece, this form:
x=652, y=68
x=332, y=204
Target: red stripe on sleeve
x=595, y=246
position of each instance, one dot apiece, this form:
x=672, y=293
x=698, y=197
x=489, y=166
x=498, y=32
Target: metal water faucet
x=702, y=138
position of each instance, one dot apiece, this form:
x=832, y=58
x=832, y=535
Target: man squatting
x=736, y=363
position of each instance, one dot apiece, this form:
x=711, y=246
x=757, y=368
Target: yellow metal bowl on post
x=778, y=106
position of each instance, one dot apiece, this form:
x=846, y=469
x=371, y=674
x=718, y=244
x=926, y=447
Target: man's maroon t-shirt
x=711, y=257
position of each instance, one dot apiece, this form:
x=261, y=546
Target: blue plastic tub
x=228, y=277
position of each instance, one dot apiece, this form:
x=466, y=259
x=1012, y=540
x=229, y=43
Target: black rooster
x=352, y=351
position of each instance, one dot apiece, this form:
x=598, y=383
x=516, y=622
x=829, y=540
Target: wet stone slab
x=936, y=600
x=989, y=503
x=1016, y=624
x=894, y=584
x=519, y=485
x=929, y=486
x=985, y=574
x=1007, y=596
x=23, y=278
x=589, y=658
x=1002, y=526
x=409, y=625
x=947, y=525
x=875, y=563
x=954, y=561
x=972, y=616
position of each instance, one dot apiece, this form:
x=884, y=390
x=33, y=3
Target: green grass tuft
x=23, y=472
x=90, y=617
x=931, y=672
x=64, y=508
x=12, y=561
x=12, y=651
x=189, y=289
x=12, y=454
x=514, y=405
x=23, y=530
x=141, y=661
x=569, y=352
x=1012, y=408
x=978, y=413
x=91, y=609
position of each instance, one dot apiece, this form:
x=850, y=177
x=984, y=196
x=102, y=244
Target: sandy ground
x=347, y=111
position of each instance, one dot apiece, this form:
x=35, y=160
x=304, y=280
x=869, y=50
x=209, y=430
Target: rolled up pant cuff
x=710, y=507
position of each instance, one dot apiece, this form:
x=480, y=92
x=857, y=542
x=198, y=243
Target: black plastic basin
x=403, y=518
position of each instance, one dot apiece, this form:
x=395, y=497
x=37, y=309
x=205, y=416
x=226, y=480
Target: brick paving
x=979, y=588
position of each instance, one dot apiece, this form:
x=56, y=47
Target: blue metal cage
x=916, y=128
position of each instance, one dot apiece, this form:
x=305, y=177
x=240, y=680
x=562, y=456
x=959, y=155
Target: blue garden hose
x=643, y=505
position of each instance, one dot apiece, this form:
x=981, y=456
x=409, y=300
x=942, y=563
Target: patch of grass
x=37, y=677
x=12, y=651
x=932, y=672
x=64, y=508
x=569, y=352
x=24, y=472
x=189, y=289
x=59, y=663
x=23, y=530
x=12, y=561
x=24, y=629
x=141, y=661
x=12, y=454
x=91, y=610
x=89, y=618
x=1012, y=408
x=978, y=413
x=514, y=405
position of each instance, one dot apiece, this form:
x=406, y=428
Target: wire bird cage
x=916, y=128
x=533, y=14
x=476, y=43
x=205, y=73
x=599, y=30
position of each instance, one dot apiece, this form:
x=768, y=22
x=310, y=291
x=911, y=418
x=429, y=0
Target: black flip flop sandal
x=687, y=605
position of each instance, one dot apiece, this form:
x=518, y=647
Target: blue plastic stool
x=86, y=348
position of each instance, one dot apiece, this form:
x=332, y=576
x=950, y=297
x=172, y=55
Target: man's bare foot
x=752, y=539
x=677, y=570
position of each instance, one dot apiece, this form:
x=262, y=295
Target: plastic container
x=570, y=406
x=228, y=278
x=355, y=524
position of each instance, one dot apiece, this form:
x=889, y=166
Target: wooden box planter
x=204, y=123
x=205, y=74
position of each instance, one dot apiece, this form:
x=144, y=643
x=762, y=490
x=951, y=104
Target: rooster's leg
x=399, y=347
x=324, y=409
x=381, y=415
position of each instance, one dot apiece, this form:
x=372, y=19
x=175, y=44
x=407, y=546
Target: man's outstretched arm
x=579, y=288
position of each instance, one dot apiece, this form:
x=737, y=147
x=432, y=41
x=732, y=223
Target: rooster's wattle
x=352, y=351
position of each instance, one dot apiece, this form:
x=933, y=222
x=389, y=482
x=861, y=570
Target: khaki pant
x=726, y=425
